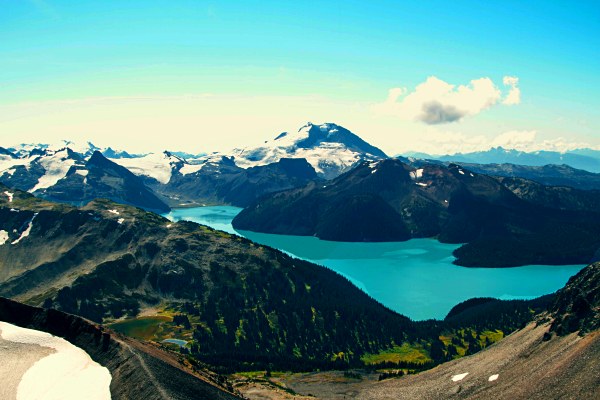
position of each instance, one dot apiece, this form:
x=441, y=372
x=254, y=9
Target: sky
x=201, y=76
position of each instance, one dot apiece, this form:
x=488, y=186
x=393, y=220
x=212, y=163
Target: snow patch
x=82, y=172
x=421, y=184
x=460, y=171
x=154, y=165
x=459, y=377
x=416, y=174
x=493, y=378
x=27, y=231
x=68, y=374
x=113, y=212
x=9, y=195
x=121, y=220
x=190, y=168
x=3, y=237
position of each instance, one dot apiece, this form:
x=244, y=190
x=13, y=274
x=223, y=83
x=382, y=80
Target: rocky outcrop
x=577, y=305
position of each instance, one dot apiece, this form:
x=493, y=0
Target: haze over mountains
x=586, y=159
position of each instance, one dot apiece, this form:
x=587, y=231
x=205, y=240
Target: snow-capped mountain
x=84, y=149
x=160, y=167
x=329, y=148
x=66, y=175
x=41, y=168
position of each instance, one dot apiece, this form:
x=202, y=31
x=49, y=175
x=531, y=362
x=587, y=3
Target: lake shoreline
x=416, y=278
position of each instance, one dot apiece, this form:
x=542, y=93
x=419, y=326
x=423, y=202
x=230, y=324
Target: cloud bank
x=438, y=142
x=436, y=102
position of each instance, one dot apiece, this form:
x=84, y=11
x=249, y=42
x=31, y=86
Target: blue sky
x=214, y=75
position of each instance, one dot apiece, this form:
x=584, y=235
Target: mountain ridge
x=450, y=203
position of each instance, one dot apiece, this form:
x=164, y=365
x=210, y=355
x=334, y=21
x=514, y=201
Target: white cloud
x=518, y=140
x=436, y=141
x=514, y=94
x=437, y=102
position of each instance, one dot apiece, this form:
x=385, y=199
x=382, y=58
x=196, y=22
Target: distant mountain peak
x=330, y=148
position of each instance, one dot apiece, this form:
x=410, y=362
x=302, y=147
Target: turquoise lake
x=415, y=278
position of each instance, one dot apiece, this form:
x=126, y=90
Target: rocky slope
x=392, y=201
x=138, y=370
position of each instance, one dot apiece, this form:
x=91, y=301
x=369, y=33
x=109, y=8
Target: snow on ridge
x=7, y=163
x=27, y=231
x=326, y=156
x=154, y=165
x=56, y=166
x=69, y=373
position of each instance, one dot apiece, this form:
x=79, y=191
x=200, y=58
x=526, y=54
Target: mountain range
x=67, y=176
x=158, y=181
x=216, y=179
x=585, y=159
